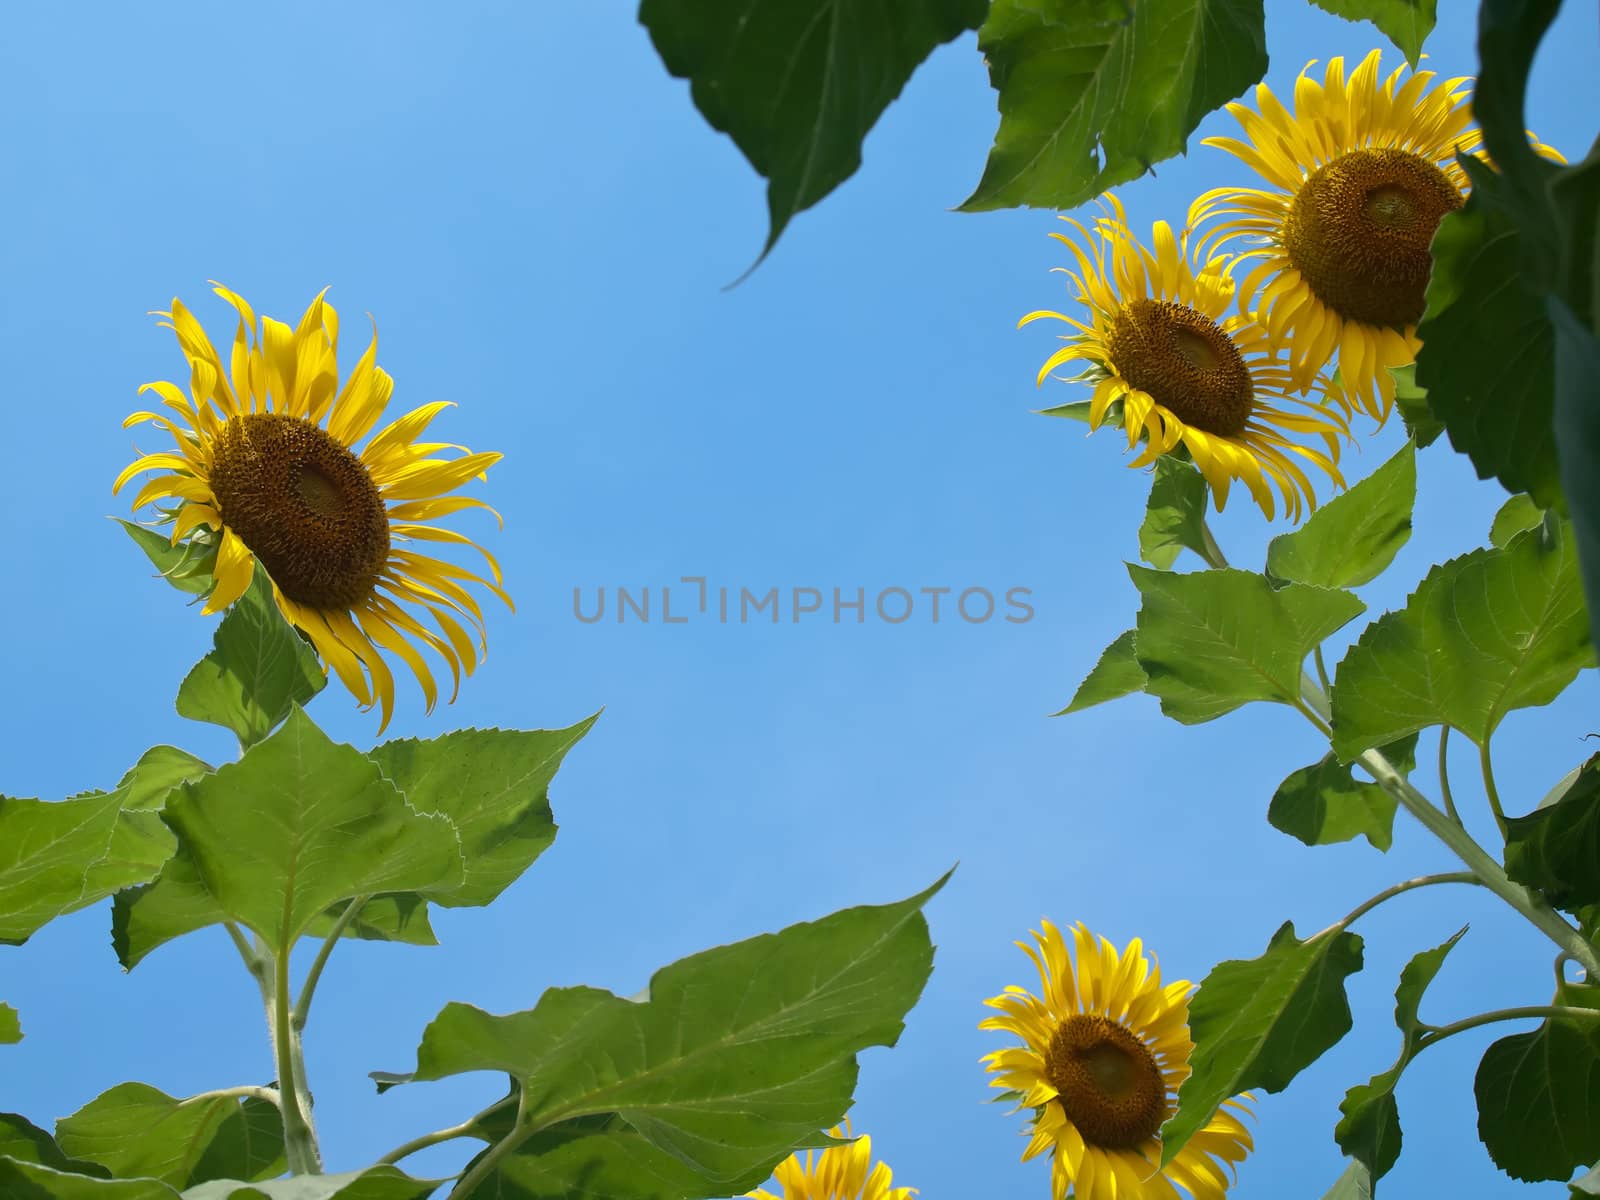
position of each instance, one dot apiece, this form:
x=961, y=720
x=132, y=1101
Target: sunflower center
x=1185, y=362
x=1359, y=229
x=1108, y=1083
x=304, y=505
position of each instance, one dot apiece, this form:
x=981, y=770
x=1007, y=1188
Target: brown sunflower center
x=1108, y=1082
x=1185, y=362
x=1359, y=229
x=304, y=505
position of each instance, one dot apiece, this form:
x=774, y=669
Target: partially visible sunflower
x=837, y=1173
x=1361, y=173
x=1105, y=1047
x=1158, y=344
x=265, y=462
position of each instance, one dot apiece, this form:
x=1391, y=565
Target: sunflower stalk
x=299, y=1137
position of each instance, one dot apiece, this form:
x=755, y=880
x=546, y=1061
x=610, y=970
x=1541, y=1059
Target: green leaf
x=1406, y=23
x=1117, y=674
x=158, y=771
x=56, y=858
x=1214, y=640
x=1354, y=1184
x=136, y=1131
x=1174, y=517
x=1325, y=803
x=10, y=1029
x=1487, y=359
x=1556, y=849
x=371, y=1183
x=1257, y=1023
x=186, y=566
x=1517, y=515
x=260, y=670
x=1369, y=1131
x=797, y=86
x=298, y=825
x=738, y=1054
x=1577, y=424
x=1412, y=402
x=1094, y=93
x=23, y=1141
x=1352, y=538
x=1483, y=634
x=36, y=1181
x=400, y=917
x=1539, y=1101
x=493, y=785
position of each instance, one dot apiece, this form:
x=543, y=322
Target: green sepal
x=186, y=566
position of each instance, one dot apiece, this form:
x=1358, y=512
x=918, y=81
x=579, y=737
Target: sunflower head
x=1162, y=353
x=266, y=472
x=837, y=1173
x=1359, y=174
x=1104, y=1049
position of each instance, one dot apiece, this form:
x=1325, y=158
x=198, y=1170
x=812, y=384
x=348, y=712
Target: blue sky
x=543, y=227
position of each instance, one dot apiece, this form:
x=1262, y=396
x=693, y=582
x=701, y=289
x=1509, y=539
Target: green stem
x=1390, y=893
x=246, y=1092
x=302, y=1006
x=465, y=1129
x=299, y=1140
x=520, y=1131
x=1490, y=873
x=1541, y=1011
x=1444, y=775
x=1489, y=788
x=1211, y=552
x=1322, y=669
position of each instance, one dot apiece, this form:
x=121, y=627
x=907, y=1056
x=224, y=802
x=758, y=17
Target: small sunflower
x=265, y=470
x=1361, y=172
x=1105, y=1047
x=1158, y=342
x=837, y=1173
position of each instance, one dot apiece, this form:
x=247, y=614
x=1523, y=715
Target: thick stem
x=299, y=1140
x=520, y=1131
x=1490, y=873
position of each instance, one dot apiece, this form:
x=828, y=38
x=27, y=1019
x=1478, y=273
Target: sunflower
x=1361, y=173
x=1104, y=1049
x=1158, y=346
x=265, y=472
x=837, y=1173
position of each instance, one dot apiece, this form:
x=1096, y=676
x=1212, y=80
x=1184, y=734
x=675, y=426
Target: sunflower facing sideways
x=1158, y=346
x=837, y=1173
x=265, y=469
x=1360, y=175
x=1104, y=1048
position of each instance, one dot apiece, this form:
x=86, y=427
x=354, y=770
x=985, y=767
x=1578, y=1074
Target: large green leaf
x=23, y=1141
x=1406, y=23
x=738, y=1055
x=10, y=1028
x=1325, y=803
x=1353, y=537
x=1577, y=424
x=797, y=86
x=1095, y=92
x=186, y=566
x=1116, y=674
x=493, y=785
x=1369, y=1130
x=1354, y=1184
x=1257, y=1023
x=1213, y=640
x=298, y=825
x=1539, y=1101
x=1174, y=516
x=26, y=1180
x=1483, y=634
x=371, y=1183
x=1556, y=848
x=260, y=669
x=136, y=1131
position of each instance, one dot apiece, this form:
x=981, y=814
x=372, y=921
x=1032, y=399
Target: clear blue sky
x=542, y=225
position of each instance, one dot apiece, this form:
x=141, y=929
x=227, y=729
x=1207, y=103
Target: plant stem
x=1489, y=788
x=303, y=1006
x=1444, y=776
x=299, y=1139
x=467, y=1128
x=1543, y=1011
x=1322, y=669
x=246, y=1092
x=1490, y=873
x=520, y=1131
x=1212, y=553
x=1389, y=893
